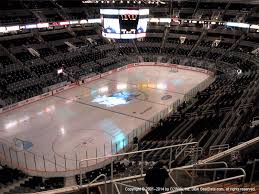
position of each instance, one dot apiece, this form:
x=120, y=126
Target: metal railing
x=132, y=178
x=218, y=148
x=111, y=158
x=97, y=178
x=172, y=179
x=253, y=170
x=231, y=150
x=214, y=181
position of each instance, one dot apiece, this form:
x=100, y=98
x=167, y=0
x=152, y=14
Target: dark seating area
x=16, y=76
x=38, y=184
x=9, y=176
x=58, y=36
x=19, y=42
x=62, y=48
x=4, y=19
x=5, y=61
x=53, y=17
x=44, y=52
x=39, y=4
x=24, y=56
x=85, y=32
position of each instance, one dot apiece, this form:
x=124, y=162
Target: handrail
x=172, y=179
x=209, y=169
x=216, y=146
x=229, y=151
x=117, y=189
x=202, y=164
x=77, y=188
x=105, y=185
x=213, y=182
x=206, y=184
x=253, y=170
x=221, y=147
x=73, y=188
x=188, y=139
x=195, y=165
x=112, y=156
x=178, y=153
x=137, y=152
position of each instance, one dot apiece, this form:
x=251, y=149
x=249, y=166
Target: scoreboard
x=124, y=23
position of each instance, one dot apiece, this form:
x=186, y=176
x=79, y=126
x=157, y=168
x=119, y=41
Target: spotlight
x=139, y=2
x=121, y=1
x=128, y=2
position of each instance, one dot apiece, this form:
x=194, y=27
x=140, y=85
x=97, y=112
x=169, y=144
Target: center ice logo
x=115, y=99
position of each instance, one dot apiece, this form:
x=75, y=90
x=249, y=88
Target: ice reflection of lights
x=103, y=89
x=109, y=101
x=12, y=124
x=23, y=119
x=161, y=86
x=62, y=130
x=121, y=86
x=152, y=85
x=40, y=113
x=70, y=100
x=49, y=109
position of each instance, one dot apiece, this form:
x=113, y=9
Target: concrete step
x=70, y=181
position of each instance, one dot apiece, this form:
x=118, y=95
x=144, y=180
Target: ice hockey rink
x=57, y=132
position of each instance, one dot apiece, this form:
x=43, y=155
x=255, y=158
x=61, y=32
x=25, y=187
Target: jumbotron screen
x=124, y=23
